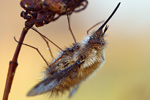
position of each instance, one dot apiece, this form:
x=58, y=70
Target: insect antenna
x=94, y=26
x=70, y=26
x=33, y=48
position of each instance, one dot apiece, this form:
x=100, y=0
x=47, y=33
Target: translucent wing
x=52, y=81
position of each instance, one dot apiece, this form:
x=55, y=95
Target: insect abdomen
x=83, y=74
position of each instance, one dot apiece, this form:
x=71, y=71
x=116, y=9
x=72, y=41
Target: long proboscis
x=110, y=16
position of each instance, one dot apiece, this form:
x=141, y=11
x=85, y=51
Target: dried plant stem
x=13, y=64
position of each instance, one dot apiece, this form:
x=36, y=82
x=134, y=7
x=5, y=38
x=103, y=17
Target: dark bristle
x=110, y=16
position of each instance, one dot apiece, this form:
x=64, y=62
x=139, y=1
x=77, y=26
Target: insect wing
x=45, y=86
x=53, y=81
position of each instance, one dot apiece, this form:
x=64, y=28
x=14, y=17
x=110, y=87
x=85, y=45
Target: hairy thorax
x=93, y=58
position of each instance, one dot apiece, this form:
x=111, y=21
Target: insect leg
x=45, y=42
x=46, y=38
x=70, y=25
x=33, y=48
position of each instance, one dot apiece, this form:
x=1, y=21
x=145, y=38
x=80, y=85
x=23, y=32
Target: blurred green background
x=126, y=72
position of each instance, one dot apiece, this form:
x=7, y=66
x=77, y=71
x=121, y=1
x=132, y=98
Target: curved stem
x=13, y=64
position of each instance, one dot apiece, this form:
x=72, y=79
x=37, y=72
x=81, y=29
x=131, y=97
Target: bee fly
x=74, y=65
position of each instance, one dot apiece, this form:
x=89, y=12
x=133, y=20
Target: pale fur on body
x=91, y=54
x=74, y=64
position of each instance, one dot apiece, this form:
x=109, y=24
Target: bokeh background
x=126, y=72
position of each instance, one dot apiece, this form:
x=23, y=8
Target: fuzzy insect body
x=74, y=65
